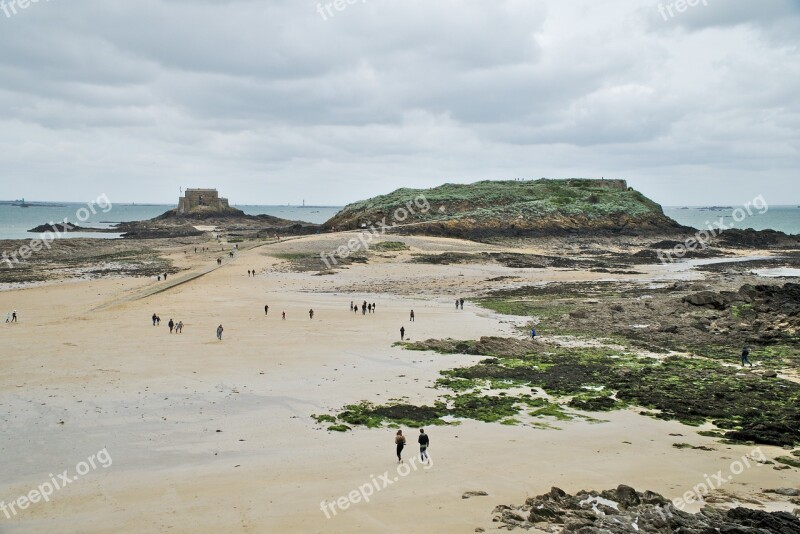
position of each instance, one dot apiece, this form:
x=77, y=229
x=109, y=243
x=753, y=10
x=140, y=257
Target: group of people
x=423, y=440
x=364, y=307
x=460, y=302
x=164, y=275
x=178, y=327
x=251, y=273
x=11, y=317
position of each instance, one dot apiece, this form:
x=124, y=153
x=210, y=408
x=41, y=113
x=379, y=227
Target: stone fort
x=194, y=200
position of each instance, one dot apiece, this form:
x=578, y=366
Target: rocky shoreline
x=626, y=511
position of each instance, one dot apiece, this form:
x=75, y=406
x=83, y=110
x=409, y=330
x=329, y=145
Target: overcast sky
x=276, y=101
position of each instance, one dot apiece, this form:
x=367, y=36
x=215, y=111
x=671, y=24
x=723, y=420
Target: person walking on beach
x=165, y=277
x=179, y=327
x=533, y=333
x=400, y=441
x=171, y=325
x=283, y=316
x=462, y=303
x=402, y=333
x=158, y=320
x=266, y=310
x=351, y=305
x=424, y=442
x=14, y=316
x=745, y=359
x=8, y=317
x=311, y=314
x=219, y=332
x=412, y=316
x=456, y=303
x=364, y=308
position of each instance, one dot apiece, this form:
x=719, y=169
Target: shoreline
x=155, y=401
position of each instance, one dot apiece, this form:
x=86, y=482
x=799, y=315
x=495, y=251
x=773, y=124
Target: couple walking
x=423, y=440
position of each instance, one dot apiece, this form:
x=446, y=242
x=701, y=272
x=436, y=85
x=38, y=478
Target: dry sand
x=85, y=370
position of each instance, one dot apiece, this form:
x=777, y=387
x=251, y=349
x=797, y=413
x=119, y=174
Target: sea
x=15, y=221
x=781, y=218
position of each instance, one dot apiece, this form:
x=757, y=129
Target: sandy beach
x=208, y=436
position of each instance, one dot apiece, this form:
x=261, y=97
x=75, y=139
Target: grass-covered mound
x=511, y=208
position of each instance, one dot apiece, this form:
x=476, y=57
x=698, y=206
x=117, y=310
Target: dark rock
x=706, y=299
x=469, y=494
x=644, y=513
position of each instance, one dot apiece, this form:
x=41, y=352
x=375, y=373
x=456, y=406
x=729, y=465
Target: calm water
x=781, y=218
x=16, y=221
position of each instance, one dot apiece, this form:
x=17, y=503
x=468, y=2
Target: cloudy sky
x=275, y=101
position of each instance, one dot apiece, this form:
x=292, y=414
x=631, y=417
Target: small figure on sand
x=8, y=317
x=14, y=316
x=745, y=359
x=311, y=314
x=424, y=443
x=248, y=273
x=266, y=310
x=402, y=333
x=179, y=327
x=411, y=318
x=351, y=305
x=171, y=325
x=462, y=303
x=533, y=333
x=373, y=307
x=219, y=332
x=165, y=277
x=456, y=303
x=283, y=316
x=355, y=309
x=400, y=441
x=159, y=277
x=364, y=308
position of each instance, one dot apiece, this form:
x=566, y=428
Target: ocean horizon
x=15, y=221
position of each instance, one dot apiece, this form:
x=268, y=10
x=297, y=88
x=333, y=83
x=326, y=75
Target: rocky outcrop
x=491, y=209
x=626, y=511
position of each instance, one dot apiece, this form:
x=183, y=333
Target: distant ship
x=21, y=204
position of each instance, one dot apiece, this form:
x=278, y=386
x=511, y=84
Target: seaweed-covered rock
x=626, y=511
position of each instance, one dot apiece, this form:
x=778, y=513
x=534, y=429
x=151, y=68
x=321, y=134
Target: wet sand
x=85, y=370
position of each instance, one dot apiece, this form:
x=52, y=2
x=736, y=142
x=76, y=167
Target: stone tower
x=202, y=201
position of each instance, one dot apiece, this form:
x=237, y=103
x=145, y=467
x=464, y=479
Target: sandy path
x=155, y=401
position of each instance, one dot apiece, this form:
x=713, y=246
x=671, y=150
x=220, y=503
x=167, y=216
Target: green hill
x=512, y=208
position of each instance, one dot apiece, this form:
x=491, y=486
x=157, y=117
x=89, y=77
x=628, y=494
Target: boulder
x=706, y=299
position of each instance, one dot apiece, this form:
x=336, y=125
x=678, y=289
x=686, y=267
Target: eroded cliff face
x=512, y=208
